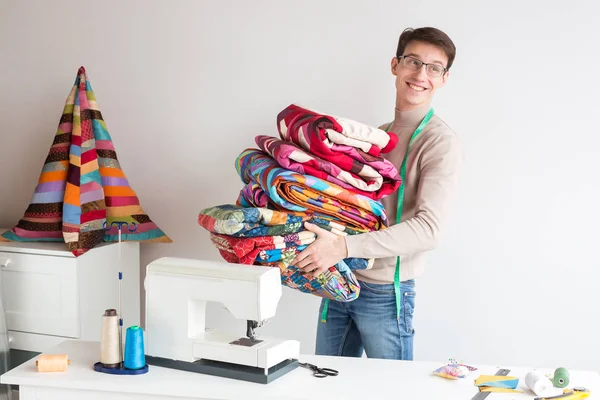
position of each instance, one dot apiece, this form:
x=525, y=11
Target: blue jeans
x=369, y=323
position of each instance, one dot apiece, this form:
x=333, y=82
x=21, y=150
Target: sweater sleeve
x=440, y=165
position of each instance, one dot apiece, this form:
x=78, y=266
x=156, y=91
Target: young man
x=380, y=320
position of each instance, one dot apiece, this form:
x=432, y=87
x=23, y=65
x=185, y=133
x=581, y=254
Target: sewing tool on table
x=561, y=378
x=177, y=290
x=110, y=356
x=111, y=344
x=454, y=370
x=134, y=348
x=52, y=363
x=319, y=372
x=539, y=384
x=576, y=393
x=483, y=395
x=543, y=385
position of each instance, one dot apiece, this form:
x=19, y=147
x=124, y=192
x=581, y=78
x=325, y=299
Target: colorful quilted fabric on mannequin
x=82, y=190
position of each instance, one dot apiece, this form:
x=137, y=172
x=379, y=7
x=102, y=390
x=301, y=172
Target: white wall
x=185, y=86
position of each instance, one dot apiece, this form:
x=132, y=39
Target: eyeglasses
x=433, y=70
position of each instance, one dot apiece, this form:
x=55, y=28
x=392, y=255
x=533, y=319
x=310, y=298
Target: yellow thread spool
x=52, y=363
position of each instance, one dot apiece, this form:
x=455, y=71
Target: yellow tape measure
x=569, y=394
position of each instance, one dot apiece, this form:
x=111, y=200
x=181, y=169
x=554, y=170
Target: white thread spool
x=539, y=383
x=110, y=354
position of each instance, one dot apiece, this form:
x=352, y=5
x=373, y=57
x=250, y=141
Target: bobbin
x=52, y=363
x=561, y=377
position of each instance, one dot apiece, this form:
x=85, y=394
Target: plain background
x=185, y=86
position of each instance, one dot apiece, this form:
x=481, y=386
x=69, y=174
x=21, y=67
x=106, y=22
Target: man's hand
x=327, y=250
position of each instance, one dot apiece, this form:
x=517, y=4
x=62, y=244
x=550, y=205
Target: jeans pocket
x=408, y=310
x=387, y=289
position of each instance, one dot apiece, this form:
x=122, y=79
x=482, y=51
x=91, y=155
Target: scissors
x=319, y=372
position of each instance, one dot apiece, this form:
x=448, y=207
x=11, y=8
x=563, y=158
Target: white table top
x=358, y=379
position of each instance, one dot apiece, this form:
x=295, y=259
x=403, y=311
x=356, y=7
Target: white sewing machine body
x=177, y=290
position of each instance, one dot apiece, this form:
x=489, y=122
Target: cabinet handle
x=5, y=264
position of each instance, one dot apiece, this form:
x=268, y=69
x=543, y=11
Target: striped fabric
x=245, y=221
x=335, y=131
x=289, y=190
x=82, y=189
x=364, y=180
x=319, y=135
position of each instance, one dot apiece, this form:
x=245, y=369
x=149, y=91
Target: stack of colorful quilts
x=82, y=196
x=322, y=169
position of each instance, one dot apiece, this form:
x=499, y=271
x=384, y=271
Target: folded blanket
x=336, y=283
x=253, y=250
x=339, y=130
x=362, y=179
x=238, y=221
x=251, y=221
x=320, y=135
x=288, y=190
x=255, y=235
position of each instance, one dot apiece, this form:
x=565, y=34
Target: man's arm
x=440, y=166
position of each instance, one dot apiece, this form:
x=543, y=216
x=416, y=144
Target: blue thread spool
x=134, y=348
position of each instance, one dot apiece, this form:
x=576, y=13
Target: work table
x=358, y=379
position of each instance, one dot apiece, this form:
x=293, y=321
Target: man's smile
x=416, y=87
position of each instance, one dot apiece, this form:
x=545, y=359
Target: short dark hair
x=428, y=35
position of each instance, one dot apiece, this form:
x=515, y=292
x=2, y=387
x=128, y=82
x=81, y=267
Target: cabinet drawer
x=40, y=294
x=33, y=342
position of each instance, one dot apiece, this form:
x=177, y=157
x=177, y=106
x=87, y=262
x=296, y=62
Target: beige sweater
x=432, y=170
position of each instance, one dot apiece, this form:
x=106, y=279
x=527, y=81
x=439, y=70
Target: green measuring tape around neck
x=398, y=215
x=401, y=204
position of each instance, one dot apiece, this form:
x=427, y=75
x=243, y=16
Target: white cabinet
x=50, y=295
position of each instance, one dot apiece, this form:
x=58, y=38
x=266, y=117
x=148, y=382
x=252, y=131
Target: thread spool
x=539, y=383
x=52, y=363
x=561, y=378
x=134, y=348
x=110, y=353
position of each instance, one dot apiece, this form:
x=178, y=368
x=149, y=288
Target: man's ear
x=394, y=65
x=445, y=78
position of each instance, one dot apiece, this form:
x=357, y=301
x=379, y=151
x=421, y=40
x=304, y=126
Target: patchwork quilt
x=362, y=178
x=254, y=235
x=289, y=190
x=333, y=131
x=82, y=193
x=323, y=169
x=323, y=136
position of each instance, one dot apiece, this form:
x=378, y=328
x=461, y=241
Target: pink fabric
x=104, y=145
x=37, y=234
x=310, y=131
x=363, y=179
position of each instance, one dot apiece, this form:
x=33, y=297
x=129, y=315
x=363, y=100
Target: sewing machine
x=177, y=290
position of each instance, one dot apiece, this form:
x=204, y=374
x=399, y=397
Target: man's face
x=415, y=88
